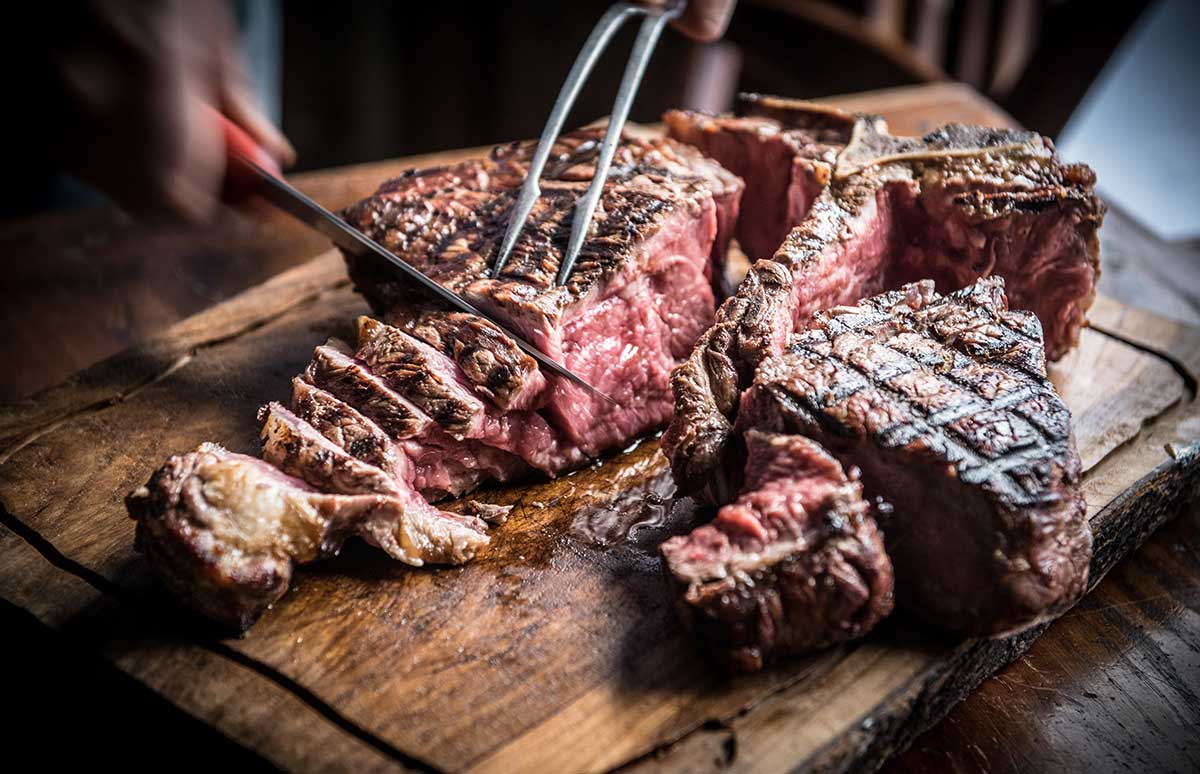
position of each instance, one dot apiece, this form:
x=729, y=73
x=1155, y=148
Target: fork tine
x=643, y=48
x=593, y=47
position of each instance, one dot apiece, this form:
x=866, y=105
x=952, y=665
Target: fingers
x=702, y=20
x=243, y=110
x=705, y=20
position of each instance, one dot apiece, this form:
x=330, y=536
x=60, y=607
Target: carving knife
x=251, y=171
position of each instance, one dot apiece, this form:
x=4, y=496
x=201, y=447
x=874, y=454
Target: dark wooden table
x=1114, y=685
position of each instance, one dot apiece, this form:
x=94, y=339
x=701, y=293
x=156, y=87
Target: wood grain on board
x=558, y=649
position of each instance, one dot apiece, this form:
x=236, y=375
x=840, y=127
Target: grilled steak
x=855, y=210
x=224, y=530
x=335, y=370
x=488, y=358
x=796, y=563
x=955, y=205
x=786, y=162
x=944, y=405
x=431, y=403
x=637, y=299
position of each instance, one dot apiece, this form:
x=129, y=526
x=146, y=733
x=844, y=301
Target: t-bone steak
x=853, y=210
x=861, y=211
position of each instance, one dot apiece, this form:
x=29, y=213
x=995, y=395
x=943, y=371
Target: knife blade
x=250, y=176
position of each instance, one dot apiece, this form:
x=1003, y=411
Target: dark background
x=372, y=80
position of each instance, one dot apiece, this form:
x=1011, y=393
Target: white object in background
x=1137, y=125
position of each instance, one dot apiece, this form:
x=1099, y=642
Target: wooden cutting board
x=558, y=649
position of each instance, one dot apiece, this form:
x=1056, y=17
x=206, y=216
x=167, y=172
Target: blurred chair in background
x=1036, y=58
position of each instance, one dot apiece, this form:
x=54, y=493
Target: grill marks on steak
x=488, y=358
x=796, y=563
x=640, y=293
x=337, y=372
x=949, y=413
x=433, y=403
x=944, y=405
x=953, y=206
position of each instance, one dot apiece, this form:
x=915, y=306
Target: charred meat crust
x=489, y=359
x=749, y=327
x=944, y=404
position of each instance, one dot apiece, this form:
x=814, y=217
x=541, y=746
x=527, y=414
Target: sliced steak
x=796, y=563
x=639, y=294
x=446, y=467
x=225, y=530
x=864, y=211
x=945, y=406
x=352, y=382
x=349, y=430
x=487, y=357
x=423, y=375
x=442, y=466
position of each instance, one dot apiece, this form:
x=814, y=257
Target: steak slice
x=486, y=356
x=796, y=563
x=639, y=294
x=426, y=377
x=864, y=211
x=442, y=465
x=350, y=381
x=349, y=430
x=945, y=406
x=225, y=530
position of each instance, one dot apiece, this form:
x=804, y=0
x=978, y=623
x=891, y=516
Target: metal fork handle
x=593, y=47
x=643, y=48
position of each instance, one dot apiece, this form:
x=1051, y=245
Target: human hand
x=132, y=86
x=702, y=20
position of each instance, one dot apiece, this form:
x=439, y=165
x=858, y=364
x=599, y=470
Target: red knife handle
x=240, y=147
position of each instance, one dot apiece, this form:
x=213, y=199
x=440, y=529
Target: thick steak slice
x=423, y=375
x=442, y=466
x=487, y=357
x=346, y=428
x=411, y=531
x=300, y=450
x=640, y=292
x=433, y=382
x=865, y=211
x=350, y=381
x=796, y=563
x=224, y=530
x=945, y=406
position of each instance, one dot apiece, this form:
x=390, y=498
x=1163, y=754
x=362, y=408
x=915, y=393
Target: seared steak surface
x=636, y=300
x=875, y=213
x=944, y=405
x=795, y=563
x=432, y=403
x=965, y=451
